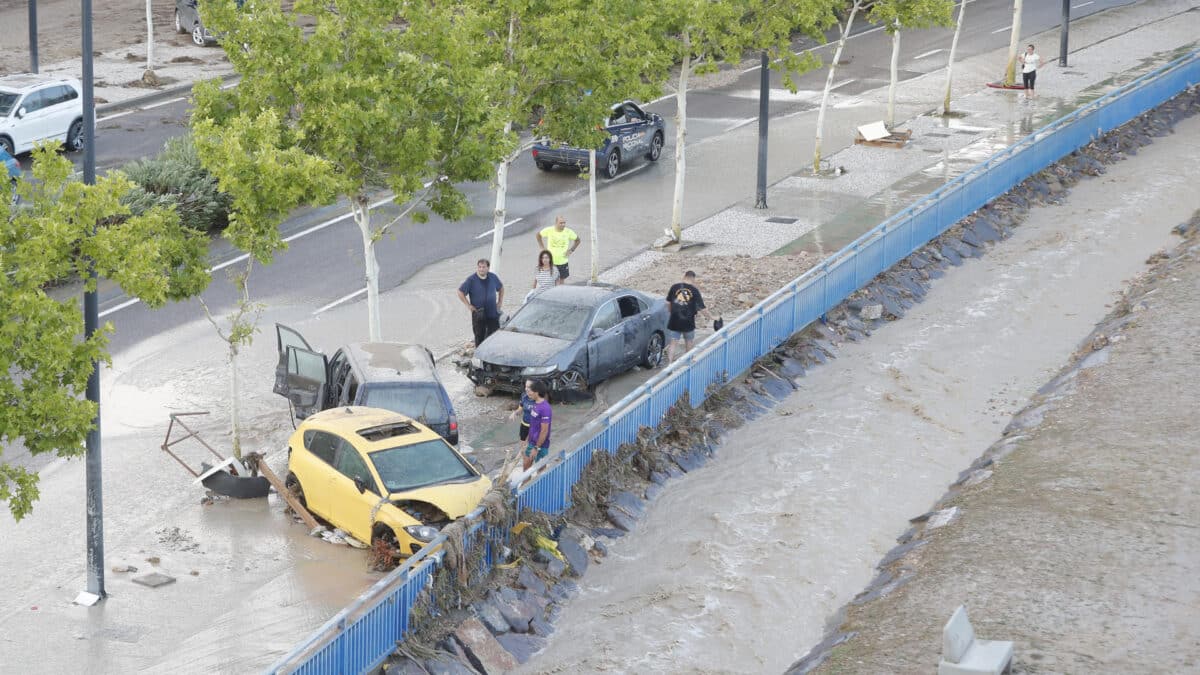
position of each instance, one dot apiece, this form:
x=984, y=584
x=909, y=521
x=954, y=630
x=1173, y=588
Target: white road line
x=340, y=300
x=740, y=124
x=114, y=116
x=166, y=102
x=629, y=172
x=123, y=305
x=841, y=84
x=1085, y=4
x=1001, y=30
x=503, y=227
x=931, y=52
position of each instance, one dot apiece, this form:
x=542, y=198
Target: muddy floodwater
x=736, y=567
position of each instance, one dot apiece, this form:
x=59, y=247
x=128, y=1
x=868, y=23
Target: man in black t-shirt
x=685, y=302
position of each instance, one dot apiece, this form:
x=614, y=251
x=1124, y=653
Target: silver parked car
x=574, y=337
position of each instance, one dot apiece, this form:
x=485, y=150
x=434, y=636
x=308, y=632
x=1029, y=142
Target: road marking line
x=740, y=124
x=233, y=261
x=1085, y=4
x=160, y=103
x=502, y=228
x=628, y=172
x=931, y=52
x=1001, y=30
x=841, y=84
x=114, y=116
x=340, y=300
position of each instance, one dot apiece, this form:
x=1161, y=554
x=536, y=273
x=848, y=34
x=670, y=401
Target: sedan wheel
x=572, y=380
x=179, y=24
x=654, y=351
x=613, y=167
x=75, y=136
x=198, y=35
x=7, y=145
x=655, y=148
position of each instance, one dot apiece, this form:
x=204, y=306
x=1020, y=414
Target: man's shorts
x=541, y=452
x=524, y=433
x=564, y=270
x=673, y=335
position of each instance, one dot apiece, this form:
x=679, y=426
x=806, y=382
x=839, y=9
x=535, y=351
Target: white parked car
x=35, y=108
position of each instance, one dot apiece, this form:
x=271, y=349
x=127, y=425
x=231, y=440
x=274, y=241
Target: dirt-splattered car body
x=573, y=337
x=381, y=476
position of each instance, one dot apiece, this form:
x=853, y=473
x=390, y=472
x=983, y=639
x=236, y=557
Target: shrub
x=175, y=177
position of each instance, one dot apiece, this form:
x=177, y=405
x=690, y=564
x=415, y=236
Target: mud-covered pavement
x=736, y=567
x=1079, y=543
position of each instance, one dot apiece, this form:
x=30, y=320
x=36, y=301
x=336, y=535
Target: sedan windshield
x=418, y=465
x=550, y=319
x=423, y=403
x=7, y=101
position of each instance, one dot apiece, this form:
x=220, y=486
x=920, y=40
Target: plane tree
x=58, y=230
x=544, y=57
x=898, y=15
x=701, y=36
x=366, y=102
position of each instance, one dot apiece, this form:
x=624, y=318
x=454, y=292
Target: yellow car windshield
x=418, y=465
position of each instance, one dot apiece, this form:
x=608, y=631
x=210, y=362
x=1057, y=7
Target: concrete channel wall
x=364, y=634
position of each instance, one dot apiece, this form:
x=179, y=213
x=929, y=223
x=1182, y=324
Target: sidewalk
x=261, y=584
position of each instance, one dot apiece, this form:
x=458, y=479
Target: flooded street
x=737, y=567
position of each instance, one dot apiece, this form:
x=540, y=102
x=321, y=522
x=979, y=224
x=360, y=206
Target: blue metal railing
x=362, y=636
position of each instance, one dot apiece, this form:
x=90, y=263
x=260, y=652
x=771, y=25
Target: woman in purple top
x=539, y=425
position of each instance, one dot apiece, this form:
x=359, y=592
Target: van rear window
x=421, y=402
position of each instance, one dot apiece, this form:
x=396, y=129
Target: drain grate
x=965, y=131
x=938, y=134
x=783, y=220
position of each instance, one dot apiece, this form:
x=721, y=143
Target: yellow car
x=381, y=476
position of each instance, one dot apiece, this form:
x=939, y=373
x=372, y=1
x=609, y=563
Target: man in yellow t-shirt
x=561, y=241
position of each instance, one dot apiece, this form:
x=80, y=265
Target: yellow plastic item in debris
x=520, y=527
x=509, y=566
x=547, y=544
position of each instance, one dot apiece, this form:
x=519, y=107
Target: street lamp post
x=33, y=55
x=764, y=100
x=1062, y=37
x=91, y=321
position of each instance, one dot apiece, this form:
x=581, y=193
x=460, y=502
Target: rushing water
x=737, y=566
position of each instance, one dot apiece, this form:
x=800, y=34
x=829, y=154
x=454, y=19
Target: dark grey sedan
x=573, y=337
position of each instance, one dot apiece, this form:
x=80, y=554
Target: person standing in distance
x=1029, y=65
x=561, y=241
x=483, y=294
x=685, y=302
x=538, y=445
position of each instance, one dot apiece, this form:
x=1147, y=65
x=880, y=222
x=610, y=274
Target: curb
x=161, y=95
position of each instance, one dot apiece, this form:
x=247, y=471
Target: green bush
x=175, y=177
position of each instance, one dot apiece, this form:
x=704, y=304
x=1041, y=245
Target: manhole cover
x=782, y=220
x=154, y=580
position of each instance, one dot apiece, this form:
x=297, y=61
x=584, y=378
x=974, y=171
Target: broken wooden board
x=896, y=139
x=287, y=494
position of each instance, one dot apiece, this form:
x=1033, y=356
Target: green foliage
x=355, y=104
x=712, y=33
x=60, y=228
x=176, y=178
x=898, y=15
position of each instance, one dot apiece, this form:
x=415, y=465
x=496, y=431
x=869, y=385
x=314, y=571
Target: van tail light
x=535, y=153
x=453, y=423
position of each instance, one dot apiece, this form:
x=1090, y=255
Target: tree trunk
x=1010, y=73
x=361, y=208
x=680, y=138
x=962, y=7
x=499, y=214
x=595, y=235
x=235, y=408
x=837, y=56
x=149, y=36
x=891, y=107
x=501, y=211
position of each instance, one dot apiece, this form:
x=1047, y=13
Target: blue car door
x=606, y=343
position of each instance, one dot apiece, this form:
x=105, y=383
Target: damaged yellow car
x=381, y=476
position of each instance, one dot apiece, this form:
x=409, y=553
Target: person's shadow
x=1027, y=122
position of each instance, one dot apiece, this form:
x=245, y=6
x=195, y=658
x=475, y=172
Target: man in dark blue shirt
x=483, y=294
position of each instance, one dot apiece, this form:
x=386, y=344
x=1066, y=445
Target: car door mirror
x=596, y=332
x=361, y=485
x=20, y=112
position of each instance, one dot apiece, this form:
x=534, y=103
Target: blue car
x=631, y=132
x=12, y=169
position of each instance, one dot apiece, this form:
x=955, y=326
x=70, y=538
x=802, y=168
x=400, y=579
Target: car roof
x=588, y=296
x=392, y=361
x=351, y=422
x=23, y=82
